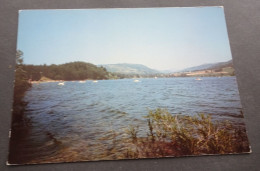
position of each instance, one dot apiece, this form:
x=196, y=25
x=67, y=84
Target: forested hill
x=68, y=71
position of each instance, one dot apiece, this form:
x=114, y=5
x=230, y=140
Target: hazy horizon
x=159, y=38
x=171, y=69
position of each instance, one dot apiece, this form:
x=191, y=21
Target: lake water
x=79, y=121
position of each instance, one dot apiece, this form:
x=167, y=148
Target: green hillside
x=208, y=70
x=68, y=71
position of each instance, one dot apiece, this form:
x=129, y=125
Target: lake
x=79, y=121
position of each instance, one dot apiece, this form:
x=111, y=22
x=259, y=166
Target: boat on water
x=95, y=81
x=155, y=77
x=198, y=79
x=136, y=81
x=82, y=81
x=61, y=83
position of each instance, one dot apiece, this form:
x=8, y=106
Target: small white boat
x=136, y=81
x=82, y=81
x=95, y=81
x=61, y=83
x=198, y=79
x=155, y=77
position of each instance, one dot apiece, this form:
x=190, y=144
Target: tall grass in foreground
x=178, y=135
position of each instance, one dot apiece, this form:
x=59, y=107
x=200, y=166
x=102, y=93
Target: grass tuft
x=178, y=135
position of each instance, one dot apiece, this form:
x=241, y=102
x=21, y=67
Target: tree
x=21, y=78
x=19, y=59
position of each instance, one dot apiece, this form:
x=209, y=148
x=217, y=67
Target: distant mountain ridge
x=210, y=66
x=139, y=69
x=126, y=68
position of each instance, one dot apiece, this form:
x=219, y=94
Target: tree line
x=68, y=71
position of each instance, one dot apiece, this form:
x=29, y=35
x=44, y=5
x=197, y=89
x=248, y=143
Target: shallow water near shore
x=81, y=121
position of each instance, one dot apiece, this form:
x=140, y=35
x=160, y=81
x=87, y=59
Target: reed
x=178, y=135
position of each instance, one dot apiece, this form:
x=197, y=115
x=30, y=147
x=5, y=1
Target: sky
x=160, y=38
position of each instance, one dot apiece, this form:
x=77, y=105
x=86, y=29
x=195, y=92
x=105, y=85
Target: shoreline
x=147, y=147
x=50, y=81
x=53, y=81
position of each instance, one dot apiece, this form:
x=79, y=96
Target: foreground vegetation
x=178, y=135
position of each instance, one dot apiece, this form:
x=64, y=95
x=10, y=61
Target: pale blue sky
x=160, y=38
